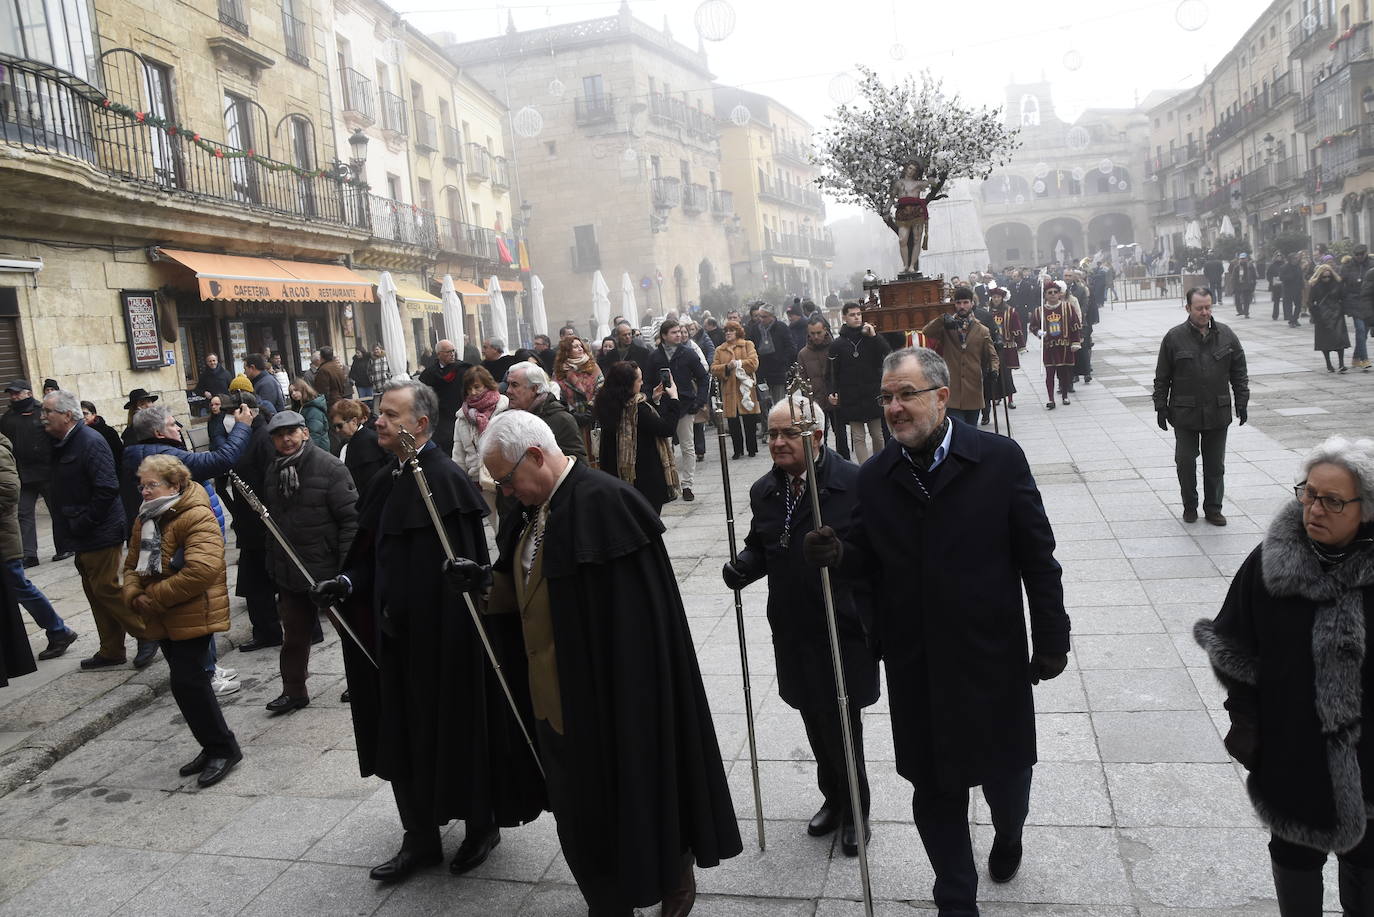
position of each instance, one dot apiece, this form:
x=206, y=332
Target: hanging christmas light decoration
x=1038, y=187
x=556, y=88
x=528, y=122
x=843, y=88
x=1073, y=59
x=740, y=115
x=1020, y=198
x=1077, y=138
x=1123, y=185
x=715, y=20
x=897, y=51
x=1191, y=15
x=1105, y=167
x=630, y=155
x=1041, y=169
x=1079, y=174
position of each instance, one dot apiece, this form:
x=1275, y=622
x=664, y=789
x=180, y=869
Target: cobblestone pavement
x=1136, y=809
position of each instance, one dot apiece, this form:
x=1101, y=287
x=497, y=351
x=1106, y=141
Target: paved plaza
x=1136, y=808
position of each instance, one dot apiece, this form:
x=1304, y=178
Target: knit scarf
x=288, y=481
x=478, y=408
x=150, y=536
x=962, y=323
x=575, y=364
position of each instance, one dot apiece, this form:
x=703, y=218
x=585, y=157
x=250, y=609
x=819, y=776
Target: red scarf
x=478, y=408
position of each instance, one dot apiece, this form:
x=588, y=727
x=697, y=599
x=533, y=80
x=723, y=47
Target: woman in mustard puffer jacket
x=174, y=579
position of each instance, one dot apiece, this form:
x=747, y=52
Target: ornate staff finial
x=802, y=410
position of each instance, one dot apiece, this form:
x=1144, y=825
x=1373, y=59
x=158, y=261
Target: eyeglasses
x=905, y=395
x=156, y=485
x=1307, y=496
x=506, y=479
x=789, y=433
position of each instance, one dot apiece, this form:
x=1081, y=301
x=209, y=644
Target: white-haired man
x=613, y=677
x=529, y=388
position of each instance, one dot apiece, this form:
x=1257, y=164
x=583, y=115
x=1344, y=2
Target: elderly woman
x=735, y=363
x=637, y=432
x=360, y=453
x=174, y=580
x=1324, y=298
x=1290, y=646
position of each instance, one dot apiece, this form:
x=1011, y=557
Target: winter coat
x=215, y=381
x=465, y=437
x=857, y=372
x=319, y=519
x=815, y=368
x=955, y=650
x=564, y=426
x=1352, y=278
x=447, y=382
x=796, y=609
x=707, y=345
x=797, y=329
x=653, y=424
x=693, y=383
x=1325, y=303
x=11, y=546
x=773, y=366
x=191, y=596
x=379, y=372
x=83, y=494
x=1293, y=277
x=316, y=416
x=363, y=457
x=1243, y=277
x=637, y=353
x=22, y=424
x=1362, y=306
x=331, y=382
x=360, y=371
x=967, y=362
x=730, y=396
x=1196, y=377
x=1290, y=645
x=269, y=392
x=204, y=466
x=111, y=437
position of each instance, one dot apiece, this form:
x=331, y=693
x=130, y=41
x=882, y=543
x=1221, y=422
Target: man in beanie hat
x=1243, y=278
x=966, y=344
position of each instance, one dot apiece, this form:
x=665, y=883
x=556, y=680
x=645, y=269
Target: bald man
x=446, y=378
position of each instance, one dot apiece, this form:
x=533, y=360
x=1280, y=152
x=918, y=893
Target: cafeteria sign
x=140, y=323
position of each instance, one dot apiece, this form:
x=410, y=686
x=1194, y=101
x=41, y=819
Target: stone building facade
x=1070, y=188
x=781, y=241
x=624, y=171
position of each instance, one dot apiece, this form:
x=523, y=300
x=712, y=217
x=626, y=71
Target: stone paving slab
x=1136, y=810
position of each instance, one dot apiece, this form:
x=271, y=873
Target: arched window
x=1030, y=111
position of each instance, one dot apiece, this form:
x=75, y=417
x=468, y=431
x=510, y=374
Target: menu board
x=140, y=321
x=238, y=345
x=303, y=347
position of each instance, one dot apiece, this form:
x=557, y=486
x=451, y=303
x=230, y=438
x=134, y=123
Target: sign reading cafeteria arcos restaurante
x=282, y=290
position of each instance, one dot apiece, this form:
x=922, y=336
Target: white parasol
x=1192, y=236
x=499, y=327
x=601, y=306
x=628, y=307
x=1226, y=228
x=541, y=317
x=393, y=334
x=453, y=313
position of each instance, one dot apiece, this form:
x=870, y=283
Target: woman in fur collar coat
x=1290, y=646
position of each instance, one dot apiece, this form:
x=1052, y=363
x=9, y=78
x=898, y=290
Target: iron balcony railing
x=46, y=111
x=594, y=109
x=722, y=204
x=672, y=111
x=426, y=131
x=403, y=223
x=466, y=239
x=790, y=149
x=667, y=192
x=1348, y=153
x=479, y=162
x=453, y=144
x=694, y=199
x=500, y=172
x=356, y=91
x=585, y=258
x=296, y=35
x=231, y=13
x=1314, y=28
x=393, y=112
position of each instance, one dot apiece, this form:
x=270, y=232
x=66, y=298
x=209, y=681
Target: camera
x=231, y=402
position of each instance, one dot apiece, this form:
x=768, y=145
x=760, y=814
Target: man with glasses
x=1200, y=372
x=432, y=718
x=958, y=673
x=445, y=376
x=624, y=732
x=781, y=515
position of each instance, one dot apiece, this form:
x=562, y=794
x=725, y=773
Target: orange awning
x=470, y=291
x=512, y=286
x=240, y=277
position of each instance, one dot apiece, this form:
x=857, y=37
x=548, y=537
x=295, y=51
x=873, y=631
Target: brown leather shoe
x=1190, y=514
x=679, y=902
x=1216, y=518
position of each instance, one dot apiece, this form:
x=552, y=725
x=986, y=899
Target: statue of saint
x=912, y=217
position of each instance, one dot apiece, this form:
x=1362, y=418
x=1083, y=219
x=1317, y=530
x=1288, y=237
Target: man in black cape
x=624, y=730
x=432, y=719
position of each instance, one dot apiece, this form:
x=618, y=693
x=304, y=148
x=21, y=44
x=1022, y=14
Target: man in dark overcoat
x=781, y=515
x=624, y=730
x=432, y=719
x=958, y=673
x=446, y=378
x=856, y=368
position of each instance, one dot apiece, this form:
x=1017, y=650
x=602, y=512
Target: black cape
x=640, y=742
x=16, y=657
x=434, y=714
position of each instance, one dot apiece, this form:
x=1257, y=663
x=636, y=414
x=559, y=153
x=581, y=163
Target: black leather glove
x=1242, y=741
x=327, y=592
x=951, y=321
x=1162, y=417
x=465, y=575
x=1044, y=666
x=734, y=577
x=1243, y=414
x=822, y=548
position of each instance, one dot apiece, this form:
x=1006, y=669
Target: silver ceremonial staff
x=805, y=421
x=422, y=484
x=246, y=492
x=718, y=417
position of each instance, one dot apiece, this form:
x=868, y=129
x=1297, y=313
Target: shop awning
x=416, y=295
x=240, y=277
x=470, y=292
x=512, y=286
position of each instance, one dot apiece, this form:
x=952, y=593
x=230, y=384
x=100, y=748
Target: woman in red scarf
x=483, y=402
x=579, y=375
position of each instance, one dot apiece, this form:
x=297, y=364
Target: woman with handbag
x=736, y=361
x=637, y=432
x=483, y=402
x=579, y=376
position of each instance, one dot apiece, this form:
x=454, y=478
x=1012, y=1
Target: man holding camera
x=966, y=344
x=671, y=357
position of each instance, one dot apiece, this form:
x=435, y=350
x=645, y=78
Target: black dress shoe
x=404, y=863
x=849, y=838
x=217, y=768
x=63, y=556
x=1004, y=860
x=286, y=703
x=30, y=562
x=147, y=652
x=57, y=644
x=318, y=638
x=826, y=820
x=99, y=662
x=473, y=852
x=256, y=644
x=195, y=765
x=343, y=698
x=1064, y=398
x=687, y=494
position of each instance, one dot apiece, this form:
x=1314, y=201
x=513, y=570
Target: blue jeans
x=1361, y=333
x=29, y=595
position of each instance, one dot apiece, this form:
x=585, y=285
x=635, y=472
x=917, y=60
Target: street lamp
x=526, y=211
x=1269, y=146
x=357, y=145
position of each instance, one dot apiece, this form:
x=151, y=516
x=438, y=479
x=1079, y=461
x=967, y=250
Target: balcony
x=48, y=113
x=1273, y=176
x=1354, y=48
x=479, y=163
x=667, y=192
x=296, y=35
x=232, y=14
x=1302, y=38
x=453, y=145
x=466, y=239
x=722, y=204
x=356, y=92
x=585, y=258
x=393, y=112
x=426, y=132
x=1220, y=198
x=1348, y=154
x=1305, y=113
x=597, y=109
x=1185, y=206
x=500, y=173
x=694, y=199
x=792, y=151
x=667, y=111
x=404, y=223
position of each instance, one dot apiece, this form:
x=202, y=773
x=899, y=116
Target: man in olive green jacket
x=17, y=583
